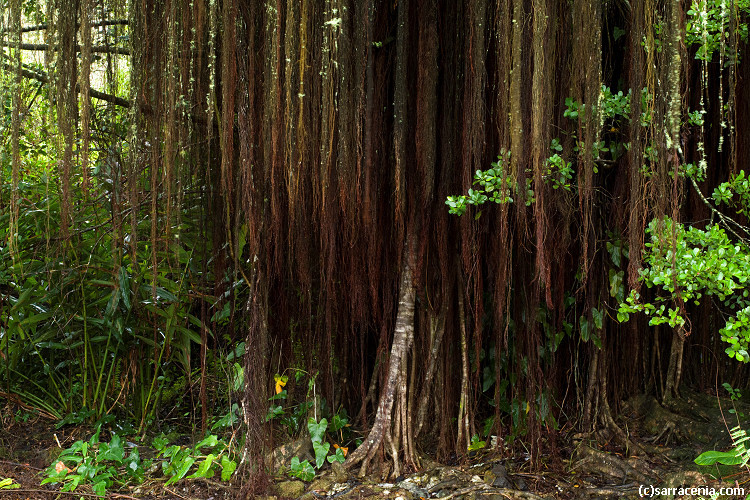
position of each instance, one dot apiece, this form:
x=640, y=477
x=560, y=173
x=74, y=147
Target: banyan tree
x=318, y=141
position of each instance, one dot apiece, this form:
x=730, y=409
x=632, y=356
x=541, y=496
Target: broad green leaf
x=722, y=457
x=111, y=451
x=125, y=287
x=585, y=329
x=337, y=457
x=204, y=469
x=228, y=467
x=321, y=451
x=8, y=484
x=317, y=429
x=210, y=441
x=100, y=488
x=598, y=316
x=181, y=471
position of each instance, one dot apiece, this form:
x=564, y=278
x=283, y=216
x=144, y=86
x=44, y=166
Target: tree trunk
x=674, y=371
x=437, y=328
x=464, y=438
x=403, y=336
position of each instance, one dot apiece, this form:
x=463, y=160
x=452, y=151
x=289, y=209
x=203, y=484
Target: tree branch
x=44, y=46
x=41, y=77
x=41, y=27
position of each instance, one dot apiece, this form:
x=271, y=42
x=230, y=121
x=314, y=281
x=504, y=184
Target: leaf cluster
x=686, y=264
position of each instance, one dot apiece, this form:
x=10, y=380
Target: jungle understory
x=247, y=246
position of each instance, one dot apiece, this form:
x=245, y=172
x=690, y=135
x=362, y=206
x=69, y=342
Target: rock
x=520, y=483
x=283, y=455
x=321, y=484
x=290, y=489
x=499, y=470
x=498, y=477
x=501, y=482
x=413, y=489
x=338, y=473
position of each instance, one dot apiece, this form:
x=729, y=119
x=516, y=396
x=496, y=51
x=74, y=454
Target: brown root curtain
x=325, y=135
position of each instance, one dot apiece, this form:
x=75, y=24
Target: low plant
x=291, y=416
x=96, y=463
x=304, y=469
x=103, y=465
x=739, y=454
x=178, y=461
x=476, y=443
x=8, y=484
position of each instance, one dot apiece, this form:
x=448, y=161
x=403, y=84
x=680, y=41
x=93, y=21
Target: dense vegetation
x=238, y=219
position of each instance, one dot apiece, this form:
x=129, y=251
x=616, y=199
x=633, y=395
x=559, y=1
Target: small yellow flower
x=281, y=381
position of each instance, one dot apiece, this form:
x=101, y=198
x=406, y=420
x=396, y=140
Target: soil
x=671, y=434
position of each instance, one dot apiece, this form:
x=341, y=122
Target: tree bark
x=437, y=328
x=402, y=337
x=674, y=371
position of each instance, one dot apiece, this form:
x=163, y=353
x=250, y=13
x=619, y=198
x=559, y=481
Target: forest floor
x=669, y=436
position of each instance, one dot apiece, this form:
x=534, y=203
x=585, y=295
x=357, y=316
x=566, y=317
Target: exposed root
x=506, y=492
x=668, y=431
x=610, y=465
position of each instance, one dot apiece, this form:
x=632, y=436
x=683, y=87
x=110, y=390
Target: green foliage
x=738, y=455
x=178, y=460
x=304, y=469
x=293, y=414
x=493, y=184
x=734, y=193
x=476, y=443
x=496, y=184
x=104, y=465
x=708, y=26
x=559, y=173
x=93, y=326
x=695, y=118
x=96, y=463
x=685, y=264
x=7, y=483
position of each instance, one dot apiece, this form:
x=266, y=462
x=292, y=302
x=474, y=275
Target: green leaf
x=210, y=441
x=321, y=451
x=585, y=329
x=100, y=488
x=111, y=451
x=181, y=471
x=114, y=301
x=598, y=316
x=8, y=484
x=722, y=457
x=125, y=287
x=159, y=442
x=228, y=467
x=317, y=429
x=338, y=422
x=35, y=318
x=166, y=295
x=338, y=457
x=204, y=469
x=476, y=443
x=22, y=300
x=302, y=470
